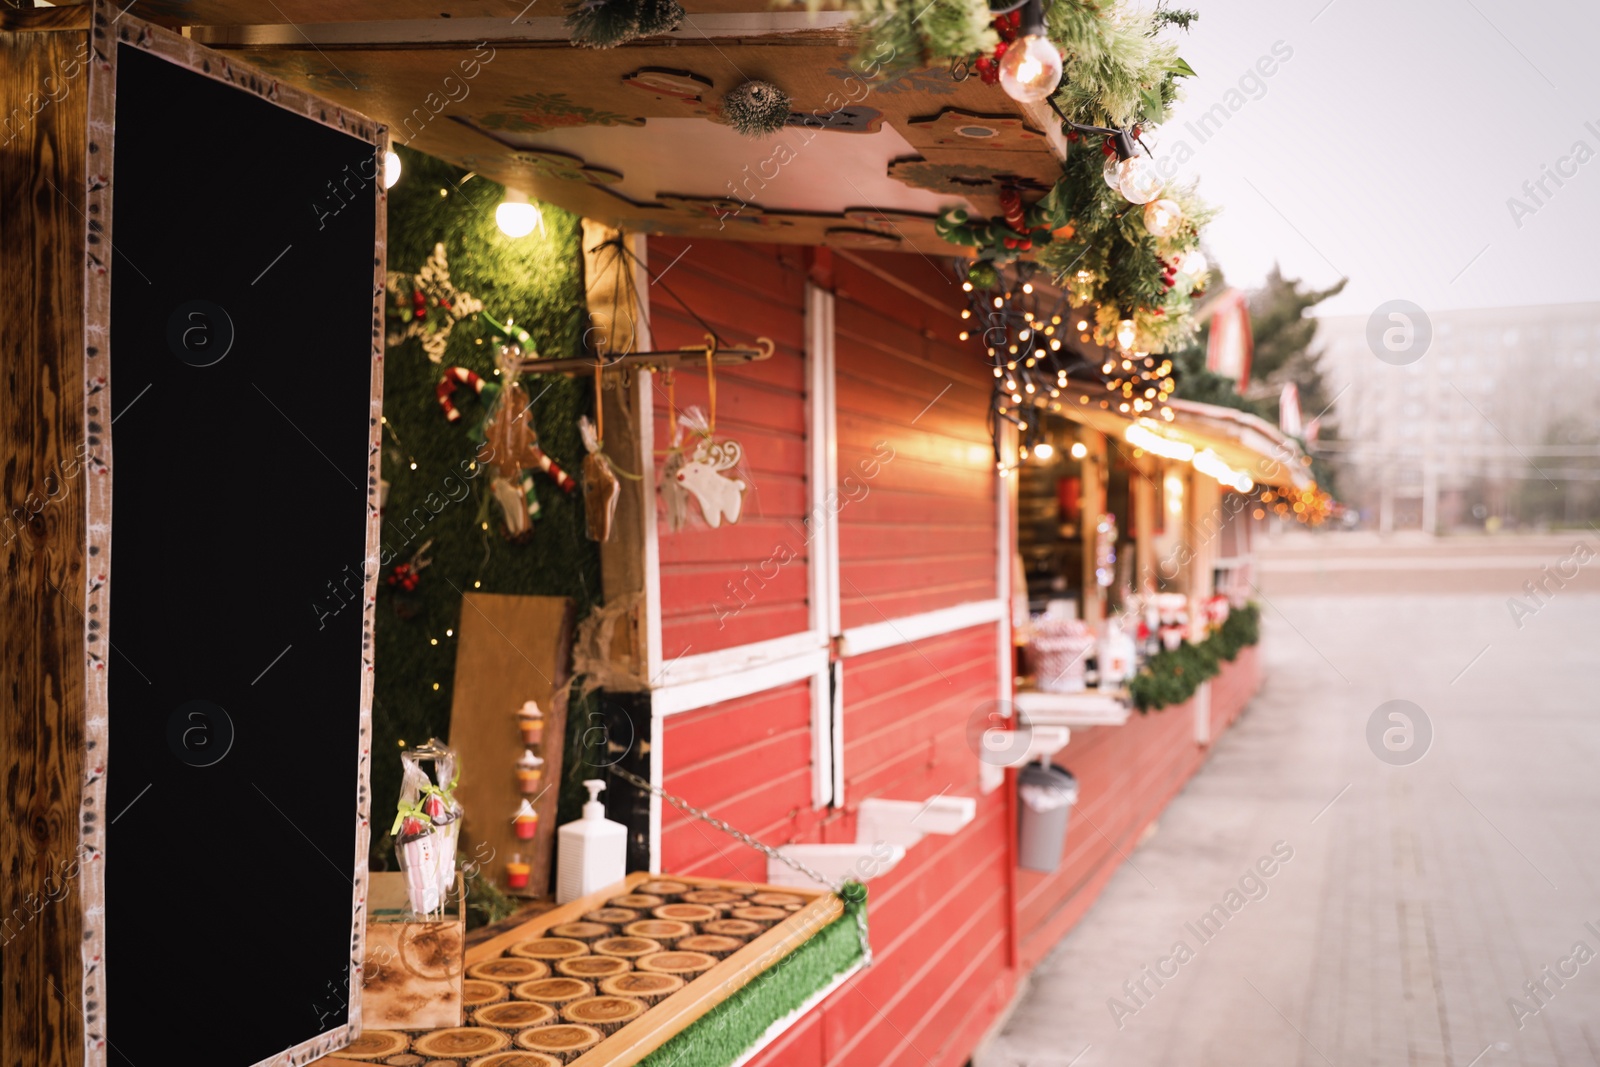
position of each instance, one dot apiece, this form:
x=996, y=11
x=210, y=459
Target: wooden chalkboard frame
x=109, y=28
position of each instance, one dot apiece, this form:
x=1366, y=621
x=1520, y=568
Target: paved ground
x=1418, y=900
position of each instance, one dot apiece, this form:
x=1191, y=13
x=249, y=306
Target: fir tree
x=1284, y=335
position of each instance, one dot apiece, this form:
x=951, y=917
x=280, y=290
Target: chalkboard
x=241, y=422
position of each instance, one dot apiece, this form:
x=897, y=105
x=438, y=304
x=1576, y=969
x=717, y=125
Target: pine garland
x=904, y=34
x=1171, y=677
x=659, y=16
x=1112, y=261
x=608, y=23
x=1117, y=74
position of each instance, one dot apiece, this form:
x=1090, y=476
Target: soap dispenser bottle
x=592, y=852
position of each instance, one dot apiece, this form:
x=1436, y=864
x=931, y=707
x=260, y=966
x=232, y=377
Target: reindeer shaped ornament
x=699, y=472
x=511, y=445
x=720, y=497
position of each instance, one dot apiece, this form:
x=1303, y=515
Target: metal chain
x=739, y=835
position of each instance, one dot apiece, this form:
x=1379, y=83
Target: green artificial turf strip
x=723, y=1034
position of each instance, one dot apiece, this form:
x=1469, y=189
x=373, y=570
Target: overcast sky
x=1386, y=146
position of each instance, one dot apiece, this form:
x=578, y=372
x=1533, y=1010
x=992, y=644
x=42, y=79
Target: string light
x=1162, y=217
x=1127, y=334
x=1208, y=462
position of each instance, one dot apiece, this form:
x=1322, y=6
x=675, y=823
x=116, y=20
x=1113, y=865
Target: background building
x=1493, y=427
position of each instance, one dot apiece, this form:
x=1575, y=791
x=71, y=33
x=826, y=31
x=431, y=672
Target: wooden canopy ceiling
x=633, y=136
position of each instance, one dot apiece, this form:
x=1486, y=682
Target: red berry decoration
x=1000, y=50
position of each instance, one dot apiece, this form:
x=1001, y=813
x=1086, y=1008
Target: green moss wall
x=538, y=280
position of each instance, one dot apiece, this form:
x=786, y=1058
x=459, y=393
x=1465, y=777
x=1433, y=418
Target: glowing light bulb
x=391, y=169
x=516, y=217
x=1126, y=334
x=1079, y=449
x=1193, y=263
x=1138, y=179
x=1162, y=217
x=1111, y=174
x=1044, y=451
x=1031, y=69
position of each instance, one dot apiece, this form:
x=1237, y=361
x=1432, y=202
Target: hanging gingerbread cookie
x=601, y=488
x=511, y=447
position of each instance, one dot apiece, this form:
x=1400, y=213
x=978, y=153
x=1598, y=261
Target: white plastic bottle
x=592, y=852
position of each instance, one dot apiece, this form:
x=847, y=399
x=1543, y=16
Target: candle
x=531, y=721
x=525, y=822
x=530, y=769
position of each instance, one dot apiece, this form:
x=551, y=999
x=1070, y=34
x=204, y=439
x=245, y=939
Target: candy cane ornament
x=454, y=376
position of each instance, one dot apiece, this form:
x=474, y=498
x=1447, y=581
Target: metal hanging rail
x=659, y=359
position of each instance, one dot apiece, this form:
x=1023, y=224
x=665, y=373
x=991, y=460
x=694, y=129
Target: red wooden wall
x=923, y=535
x=956, y=924
x=743, y=290
x=1126, y=775
x=747, y=761
x=1232, y=689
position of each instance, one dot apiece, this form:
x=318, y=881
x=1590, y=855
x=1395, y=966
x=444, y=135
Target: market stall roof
x=1243, y=441
x=634, y=136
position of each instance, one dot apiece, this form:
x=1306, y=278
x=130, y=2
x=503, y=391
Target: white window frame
x=690, y=683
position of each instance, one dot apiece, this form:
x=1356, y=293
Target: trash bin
x=1046, y=795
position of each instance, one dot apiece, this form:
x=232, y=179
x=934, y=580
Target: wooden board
x=247, y=12
x=583, y=128
x=42, y=544
x=645, y=1032
x=512, y=649
x=412, y=979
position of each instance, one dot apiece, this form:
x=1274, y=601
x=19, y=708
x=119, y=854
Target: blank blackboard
x=242, y=293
